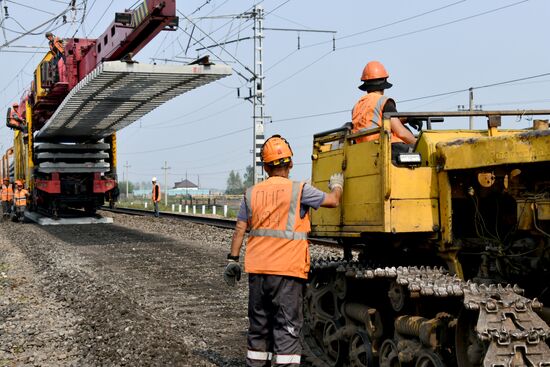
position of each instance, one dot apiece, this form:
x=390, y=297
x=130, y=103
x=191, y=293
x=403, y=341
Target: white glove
x=336, y=180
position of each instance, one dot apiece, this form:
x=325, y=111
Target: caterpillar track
x=420, y=316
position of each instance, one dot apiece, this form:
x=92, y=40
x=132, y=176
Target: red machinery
x=79, y=99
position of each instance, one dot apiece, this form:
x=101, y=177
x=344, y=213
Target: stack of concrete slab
x=72, y=158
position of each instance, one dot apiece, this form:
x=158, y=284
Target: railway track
x=220, y=222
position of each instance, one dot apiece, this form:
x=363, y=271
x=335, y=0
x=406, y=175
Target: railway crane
x=80, y=98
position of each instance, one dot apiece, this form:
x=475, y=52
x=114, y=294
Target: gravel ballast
x=139, y=292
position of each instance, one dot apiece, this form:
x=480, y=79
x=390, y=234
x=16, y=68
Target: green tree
x=248, y=177
x=234, y=184
x=122, y=187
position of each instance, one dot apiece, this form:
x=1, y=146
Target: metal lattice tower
x=258, y=97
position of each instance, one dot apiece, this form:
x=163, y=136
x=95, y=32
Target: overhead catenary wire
x=35, y=28
x=30, y=7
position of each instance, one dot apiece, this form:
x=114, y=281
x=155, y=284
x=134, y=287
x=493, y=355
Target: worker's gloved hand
x=415, y=123
x=336, y=180
x=232, y=272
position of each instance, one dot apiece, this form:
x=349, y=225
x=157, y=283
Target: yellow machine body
x=381, y=197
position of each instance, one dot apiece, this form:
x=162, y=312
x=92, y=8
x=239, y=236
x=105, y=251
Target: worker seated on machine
x=14, y=120
x=19, y=201
x=369, y=110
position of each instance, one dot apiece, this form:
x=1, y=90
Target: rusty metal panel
x=530, y=146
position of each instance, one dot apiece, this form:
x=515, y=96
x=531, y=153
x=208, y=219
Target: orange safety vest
x=7, y=193
x=56, y=44
x=367, y=114
x=15, y=118
x=277, y=243
x=155, y=198
x=21, y=197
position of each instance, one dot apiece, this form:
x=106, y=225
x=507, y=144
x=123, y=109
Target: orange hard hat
x=276, y=150
x=374, y=77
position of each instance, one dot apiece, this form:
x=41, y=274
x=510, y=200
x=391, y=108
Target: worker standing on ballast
x=155, y=195
x=7, y=197
x=15, y=120
x=19, y=200
x=368, y=111
x=277, y=255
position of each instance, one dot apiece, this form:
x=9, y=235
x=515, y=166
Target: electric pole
x=471, y=90
x=126, y=166
x=258, y=94
x=165, y=168
x=471, y=107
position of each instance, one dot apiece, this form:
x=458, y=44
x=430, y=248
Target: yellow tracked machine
x=446, y=249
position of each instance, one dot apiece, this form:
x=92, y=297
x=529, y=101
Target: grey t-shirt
x=311, y=198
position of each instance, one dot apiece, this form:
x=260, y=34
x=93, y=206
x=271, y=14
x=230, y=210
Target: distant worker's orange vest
x=156, y=199
x=367, y=114
x=56, y=44
x=277, y=243
x=15, y=118
x=21, y=197
x=7, y=193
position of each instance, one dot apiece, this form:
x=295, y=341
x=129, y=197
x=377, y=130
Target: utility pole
x=471, y=90
x=258, y=94
x=126, y=166
x=165, y=168
x=471, y=107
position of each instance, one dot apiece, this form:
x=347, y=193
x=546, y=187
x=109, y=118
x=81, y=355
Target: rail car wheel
x=360, y=350
x=470, y=351
x=429, y=359
x=389, y=355
x=333, y=343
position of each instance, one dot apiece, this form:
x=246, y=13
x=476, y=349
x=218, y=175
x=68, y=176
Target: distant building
x=185, y=184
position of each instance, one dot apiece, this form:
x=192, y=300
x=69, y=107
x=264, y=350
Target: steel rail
x=227, y=223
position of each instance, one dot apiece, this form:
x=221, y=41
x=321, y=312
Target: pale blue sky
x=428, y=47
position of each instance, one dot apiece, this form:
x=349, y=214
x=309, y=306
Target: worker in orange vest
x=155, y=195
x=15, y=120
x=19, y=200
x=277, y=254
x=7, y=197
x=368, y=111
x=56, y=46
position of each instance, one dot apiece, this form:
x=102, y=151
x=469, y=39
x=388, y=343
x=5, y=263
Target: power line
x=30, y=7
x=388, y=24
x=434, y=26
x=419, y=98
x=193, y=142
x=101, y=17
x=35, y=28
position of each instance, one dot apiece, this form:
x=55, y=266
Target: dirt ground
x=139, y=292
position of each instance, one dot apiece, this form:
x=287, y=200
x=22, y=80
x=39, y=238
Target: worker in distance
x=155, y=196
x=276, y=211
x=368, y=111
